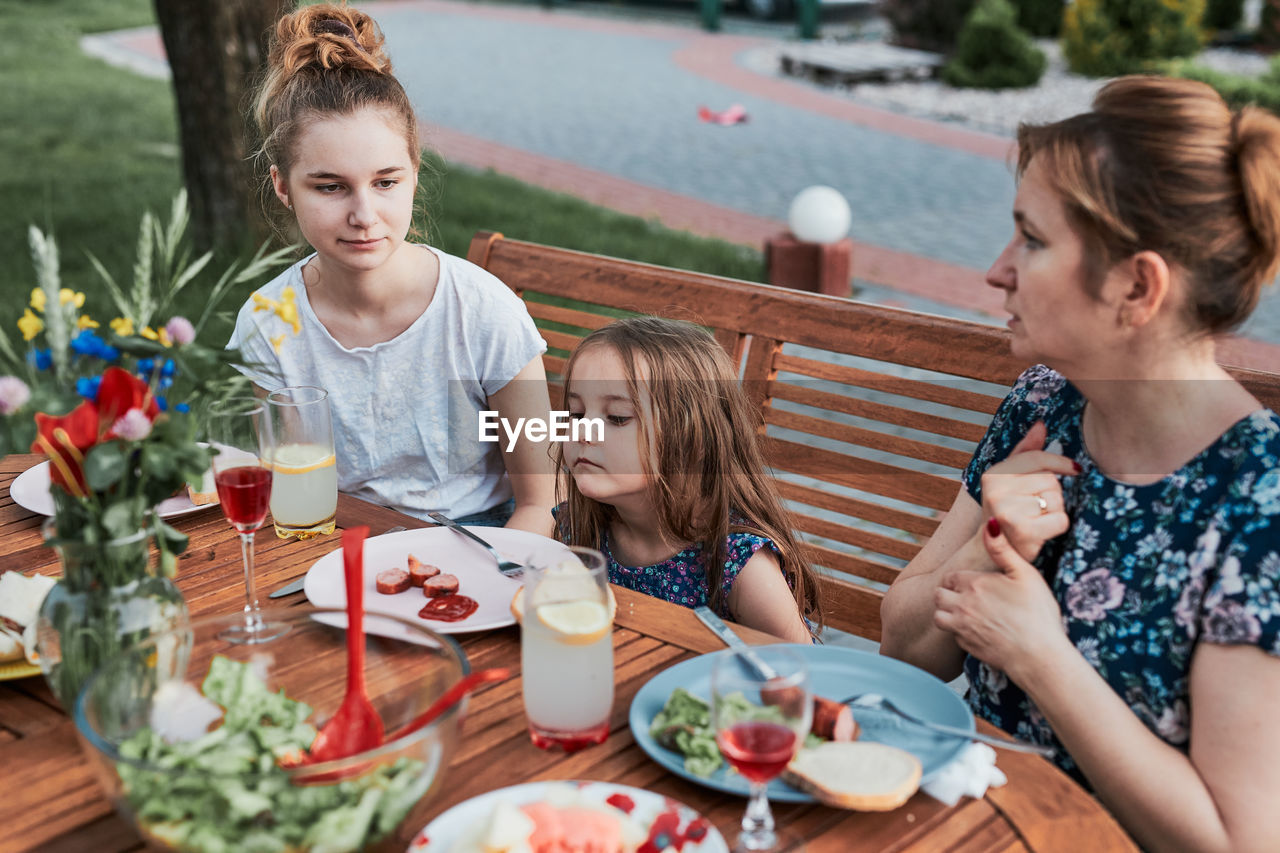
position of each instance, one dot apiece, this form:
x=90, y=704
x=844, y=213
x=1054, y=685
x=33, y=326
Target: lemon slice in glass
x=517, y=605
x=301, y=458
x=576, y=623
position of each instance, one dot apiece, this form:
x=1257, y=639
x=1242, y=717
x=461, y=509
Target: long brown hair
x=324, y=60
x=1164, y=164
x=709, y=477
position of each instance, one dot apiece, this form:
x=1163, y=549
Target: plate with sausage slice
x=434, y=575
x=835, y=673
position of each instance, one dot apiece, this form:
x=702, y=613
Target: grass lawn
x=92, y=147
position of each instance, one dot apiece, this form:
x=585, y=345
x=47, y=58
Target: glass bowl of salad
x=198, y=740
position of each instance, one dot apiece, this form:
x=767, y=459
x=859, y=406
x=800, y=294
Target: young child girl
x=410, y=342
x=675, y=493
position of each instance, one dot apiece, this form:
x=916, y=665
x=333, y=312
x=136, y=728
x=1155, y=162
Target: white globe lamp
x=819, y=214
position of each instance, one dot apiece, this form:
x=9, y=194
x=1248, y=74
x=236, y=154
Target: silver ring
x=1044, y=504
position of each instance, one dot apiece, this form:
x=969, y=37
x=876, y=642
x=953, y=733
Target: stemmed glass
x=240, y=433
x=761, y=715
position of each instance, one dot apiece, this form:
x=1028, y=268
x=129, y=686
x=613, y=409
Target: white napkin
x=968, y=774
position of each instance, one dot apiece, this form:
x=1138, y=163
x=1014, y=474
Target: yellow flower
x=38, y=299
x=122, y=326
x=30, y=325
x=84, y=321
x=67, y=296
x=163, y=337
x=277, y=342
x=149, y=333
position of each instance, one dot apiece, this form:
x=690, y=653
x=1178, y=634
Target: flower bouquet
x=115, y=410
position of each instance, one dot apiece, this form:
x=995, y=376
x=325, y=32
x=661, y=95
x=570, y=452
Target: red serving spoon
x=357, y=726
x=450, y=698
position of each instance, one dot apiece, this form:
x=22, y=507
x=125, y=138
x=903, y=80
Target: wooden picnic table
x=52, y=802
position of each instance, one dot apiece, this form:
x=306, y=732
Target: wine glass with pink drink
x=240, y=433
x=760, y=711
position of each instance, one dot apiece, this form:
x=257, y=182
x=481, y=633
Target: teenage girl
x=411, y=343
x=675, y=491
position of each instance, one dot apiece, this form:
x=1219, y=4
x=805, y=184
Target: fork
x=875, y=700
x=507, y=567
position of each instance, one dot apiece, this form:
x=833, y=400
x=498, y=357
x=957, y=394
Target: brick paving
x=604, y=107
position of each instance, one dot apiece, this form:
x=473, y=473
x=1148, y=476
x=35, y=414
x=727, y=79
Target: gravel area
x=1059, y=93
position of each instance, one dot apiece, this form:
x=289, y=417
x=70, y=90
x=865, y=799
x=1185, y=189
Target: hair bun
x=1257, y=149
x=328, y=37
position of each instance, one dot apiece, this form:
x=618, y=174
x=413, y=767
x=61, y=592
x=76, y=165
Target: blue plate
x=835, y=673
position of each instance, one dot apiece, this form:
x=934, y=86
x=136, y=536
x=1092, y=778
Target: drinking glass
x=566, y=650
x=760, y=720
x=304, y=495
x=240, y=432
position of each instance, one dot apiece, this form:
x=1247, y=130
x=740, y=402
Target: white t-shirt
x=405, y=411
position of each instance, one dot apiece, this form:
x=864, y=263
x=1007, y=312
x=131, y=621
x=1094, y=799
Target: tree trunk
x=215, y=50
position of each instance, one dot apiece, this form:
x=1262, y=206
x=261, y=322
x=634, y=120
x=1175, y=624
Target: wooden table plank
x=63, y=810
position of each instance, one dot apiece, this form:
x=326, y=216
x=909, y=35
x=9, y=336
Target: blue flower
x=182, y=407
x=87, y=342
x=41, y=358
x=146, y=366
x=87, y=387
x=169, y=368
x=162, y=403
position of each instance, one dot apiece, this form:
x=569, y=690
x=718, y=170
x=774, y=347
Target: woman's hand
x=1009, y=618
x=1023, y=494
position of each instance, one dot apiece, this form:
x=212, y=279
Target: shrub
x=1042, y=18
x=926, y=24
x=1237, y=89
x=1105, y=38
x=992, y=53
x=1223, y=14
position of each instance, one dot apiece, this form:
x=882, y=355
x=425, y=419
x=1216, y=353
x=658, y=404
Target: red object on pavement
x=736, y=114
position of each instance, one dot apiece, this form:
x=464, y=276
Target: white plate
x=448, y=829
x=478, y=575
x=30, y=490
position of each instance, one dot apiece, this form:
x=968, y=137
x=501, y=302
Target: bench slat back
x=868, y=413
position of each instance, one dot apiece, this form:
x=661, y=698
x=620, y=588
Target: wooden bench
x=869, y=413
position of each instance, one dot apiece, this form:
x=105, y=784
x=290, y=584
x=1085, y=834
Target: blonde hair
x=1163, y=164
x=711, y=478
x=325, y=60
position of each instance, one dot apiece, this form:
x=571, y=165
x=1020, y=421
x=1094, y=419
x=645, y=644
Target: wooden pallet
x=858, y=62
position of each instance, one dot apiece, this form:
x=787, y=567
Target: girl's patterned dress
x=682, y=579
x=1145, y=573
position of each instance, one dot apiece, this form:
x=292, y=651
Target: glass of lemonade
x=566, y=650
x=304, y=493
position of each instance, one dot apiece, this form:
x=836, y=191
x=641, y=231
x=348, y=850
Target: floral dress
x=682, y=578
x=1145, y=573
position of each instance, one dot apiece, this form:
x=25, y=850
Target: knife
x=297, y=585
x=724, y=632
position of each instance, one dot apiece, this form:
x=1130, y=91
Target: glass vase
x=108, y=598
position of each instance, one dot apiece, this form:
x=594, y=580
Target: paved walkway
x=604, y=107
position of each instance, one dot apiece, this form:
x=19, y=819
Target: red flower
x=66, y=439
x=121, y=391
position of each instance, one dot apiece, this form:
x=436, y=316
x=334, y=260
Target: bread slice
x=207, y=493
x=861, y=775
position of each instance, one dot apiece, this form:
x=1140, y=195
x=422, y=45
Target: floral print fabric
x=1146, y=572
x=681, y=579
